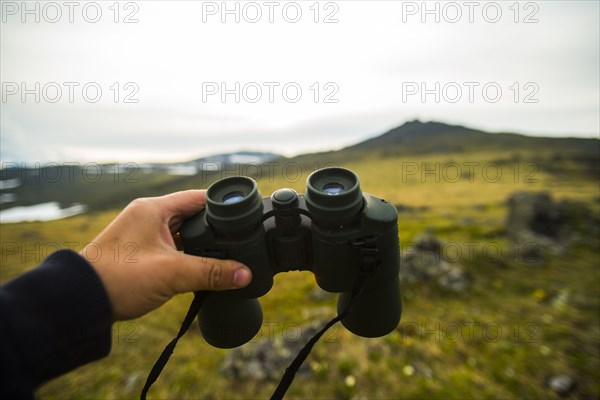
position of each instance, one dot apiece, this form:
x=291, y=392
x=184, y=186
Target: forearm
x=53, y=319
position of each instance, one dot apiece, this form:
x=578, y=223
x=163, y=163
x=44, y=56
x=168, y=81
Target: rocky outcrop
x=267, y=358
x=537, y=223
x=425, y=262
x=537, y=213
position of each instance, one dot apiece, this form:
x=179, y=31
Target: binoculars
x=329, y=230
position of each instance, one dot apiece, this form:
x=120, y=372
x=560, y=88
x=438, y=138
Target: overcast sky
x=328, y=74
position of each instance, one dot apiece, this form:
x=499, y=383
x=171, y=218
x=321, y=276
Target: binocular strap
x=290, y=372
x=199, y=298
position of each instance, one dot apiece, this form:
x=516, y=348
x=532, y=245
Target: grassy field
x=515, y=326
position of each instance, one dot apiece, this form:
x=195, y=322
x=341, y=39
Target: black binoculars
x=330, y=230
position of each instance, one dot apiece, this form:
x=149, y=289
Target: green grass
x=500, y=338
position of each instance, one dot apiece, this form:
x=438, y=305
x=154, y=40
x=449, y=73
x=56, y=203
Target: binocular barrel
x=318, y=228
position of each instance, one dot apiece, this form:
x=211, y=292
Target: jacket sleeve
x=53, y=319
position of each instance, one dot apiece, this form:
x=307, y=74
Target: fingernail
x=241, y=277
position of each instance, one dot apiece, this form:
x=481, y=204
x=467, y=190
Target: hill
x=104, y=187
x=424, y=138
x=109, y=186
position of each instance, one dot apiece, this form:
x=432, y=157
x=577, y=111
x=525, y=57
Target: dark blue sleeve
x=52, y=319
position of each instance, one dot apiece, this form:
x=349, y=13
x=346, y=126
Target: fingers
x=184, y=204
x=193, y=273
x=178, y=206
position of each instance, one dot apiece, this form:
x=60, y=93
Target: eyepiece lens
x=333, y=189
x=233, y=197
x=333, y=196
x=233, y=205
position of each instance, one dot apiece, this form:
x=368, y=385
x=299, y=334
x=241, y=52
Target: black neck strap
x=290, y=372
x=199, y=298
x=369, y=263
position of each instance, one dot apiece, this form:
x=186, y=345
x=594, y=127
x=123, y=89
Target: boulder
x=541, y=226
x=563, y=385
x=425, y=262
x=267, y=359
x=533, y=212
x=538, y=214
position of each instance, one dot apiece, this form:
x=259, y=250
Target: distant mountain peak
x=428, y=127
x=432, y=137
x=436, y=135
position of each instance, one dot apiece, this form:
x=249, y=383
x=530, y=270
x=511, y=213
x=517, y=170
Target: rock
x=426, y=242
x=540, y=226
x=535, y=212
x=255, y=370
x=454, y=280
x=563, y=385
x=528, y=248
x=578, y=214
x=425, y=262
x=267, y=359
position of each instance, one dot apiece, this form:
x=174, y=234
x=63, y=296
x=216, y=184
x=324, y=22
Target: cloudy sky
x=163, y=81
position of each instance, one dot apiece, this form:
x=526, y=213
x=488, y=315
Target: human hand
x=157, y=271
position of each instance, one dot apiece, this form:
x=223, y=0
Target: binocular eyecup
x=333, y=196
x=234, y=205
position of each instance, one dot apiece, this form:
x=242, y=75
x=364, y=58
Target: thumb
x=192, y=273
